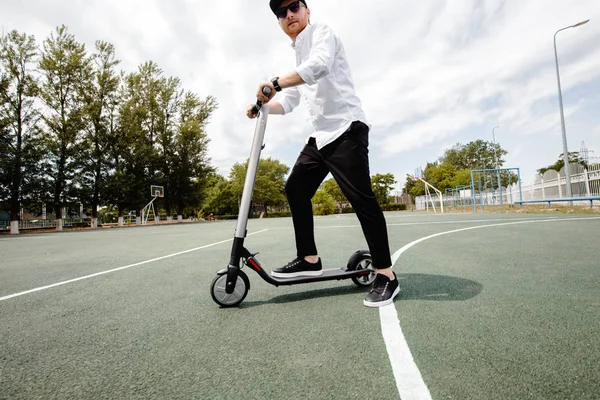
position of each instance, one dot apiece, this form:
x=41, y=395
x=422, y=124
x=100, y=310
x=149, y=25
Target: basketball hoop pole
x=155, y=191
x=146, y=211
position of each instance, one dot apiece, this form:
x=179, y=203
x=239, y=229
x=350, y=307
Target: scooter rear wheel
x=362, y=260
x=224, y=299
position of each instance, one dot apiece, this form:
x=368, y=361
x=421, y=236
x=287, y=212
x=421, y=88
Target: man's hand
x=250, y=112
x=259, y=94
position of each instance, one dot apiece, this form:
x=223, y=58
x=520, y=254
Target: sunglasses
x=293, y=7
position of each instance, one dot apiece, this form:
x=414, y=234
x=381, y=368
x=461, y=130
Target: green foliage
x=323, y=203
x=190, y=166
x=383, y=184
x=108, y=214
x=20, y=141
x=99, y=96
x=474, y=155
x=574, y=158
x=385, y=207
x=64, y=66
x=394, y=207
x=269, y=185
x=104, y=136
x=279, y=214
x=333, y=189
x=220, y=197
x=454, y=167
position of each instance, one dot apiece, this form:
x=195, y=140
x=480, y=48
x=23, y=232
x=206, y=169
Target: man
x=339, y=145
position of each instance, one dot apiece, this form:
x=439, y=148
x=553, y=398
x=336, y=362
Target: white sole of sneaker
x=382, y=303
x=296, y=274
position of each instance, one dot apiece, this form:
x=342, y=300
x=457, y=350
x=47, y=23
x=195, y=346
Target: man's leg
x=308, y=173
x=348, y=160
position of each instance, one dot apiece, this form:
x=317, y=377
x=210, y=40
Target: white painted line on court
x=430, y=223
x=408, y=378
x=15, y=237
x=409, y=382
x=10, y=296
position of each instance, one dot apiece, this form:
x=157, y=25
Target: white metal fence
x=550, y=185
x=46, y=223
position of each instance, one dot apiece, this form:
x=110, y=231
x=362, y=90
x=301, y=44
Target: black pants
x=347, y=158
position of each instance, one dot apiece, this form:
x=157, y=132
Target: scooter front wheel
x=224, y=299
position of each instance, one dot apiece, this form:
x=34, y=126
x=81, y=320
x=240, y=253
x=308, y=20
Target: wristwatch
x=276, y=84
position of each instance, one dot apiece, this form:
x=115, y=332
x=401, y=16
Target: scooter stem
x=257, y=143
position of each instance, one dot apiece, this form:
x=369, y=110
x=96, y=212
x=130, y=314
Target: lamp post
x=562, y=116
x=494, y=139
x=496, y=162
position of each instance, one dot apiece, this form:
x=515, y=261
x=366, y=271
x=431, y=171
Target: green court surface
x=502, y=306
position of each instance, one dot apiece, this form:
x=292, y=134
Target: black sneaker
x=298, y=267
x=383, y=291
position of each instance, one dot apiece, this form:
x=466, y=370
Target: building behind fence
x=585, y=182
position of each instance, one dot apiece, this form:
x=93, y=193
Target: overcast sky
x=430, y=73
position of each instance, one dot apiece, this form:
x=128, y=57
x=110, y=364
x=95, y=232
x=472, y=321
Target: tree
x=115, y=188
x=269, y=185
x=331, y=187
x=64, y=66
x=474, y=155
x=137, y=156
x=560, y=163
x=18, y=118
x=220, y=198
x=382, y=186
x=168, y=102
x=454, y=167
x=99, y=95
x=323, y=202
x=190, y=163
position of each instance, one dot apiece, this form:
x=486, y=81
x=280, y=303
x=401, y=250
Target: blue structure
x=487, y=187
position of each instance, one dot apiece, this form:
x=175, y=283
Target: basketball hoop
x=157, y=191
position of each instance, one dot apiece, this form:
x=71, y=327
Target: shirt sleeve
x=320, y=59
x=290, y=99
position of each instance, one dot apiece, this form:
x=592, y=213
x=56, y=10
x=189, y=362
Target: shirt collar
x=301, y=37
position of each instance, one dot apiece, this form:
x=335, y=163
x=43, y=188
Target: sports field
x=493, y=306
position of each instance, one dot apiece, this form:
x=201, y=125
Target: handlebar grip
x=256, y=108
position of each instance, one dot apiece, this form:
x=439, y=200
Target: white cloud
x=428, y=73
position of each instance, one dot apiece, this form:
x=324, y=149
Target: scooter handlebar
x=256, y=108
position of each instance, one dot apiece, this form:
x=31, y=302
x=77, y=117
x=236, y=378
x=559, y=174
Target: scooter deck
x=327, y=275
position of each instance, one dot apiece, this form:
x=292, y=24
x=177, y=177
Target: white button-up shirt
x=329, y=91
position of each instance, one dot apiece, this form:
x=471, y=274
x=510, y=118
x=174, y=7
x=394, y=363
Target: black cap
x=275, y=4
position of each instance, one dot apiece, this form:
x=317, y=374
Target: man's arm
x=290, y=80
x=321, y=58
x=289, y=100
x=318, y=64
x=275, y=108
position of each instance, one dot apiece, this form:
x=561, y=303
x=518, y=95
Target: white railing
x=46, y=223
x=550, y=185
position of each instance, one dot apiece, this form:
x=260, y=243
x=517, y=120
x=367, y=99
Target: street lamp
x=496, y=161
x=562, y=116
x=494, y=138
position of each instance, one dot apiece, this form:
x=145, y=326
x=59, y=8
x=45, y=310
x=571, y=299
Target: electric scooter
x=231, y=285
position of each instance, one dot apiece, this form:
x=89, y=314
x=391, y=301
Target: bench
x=586, y=198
